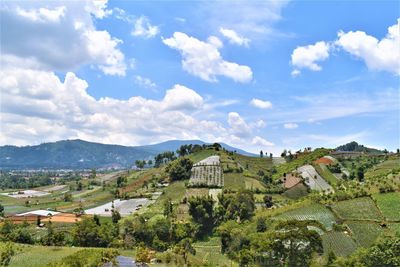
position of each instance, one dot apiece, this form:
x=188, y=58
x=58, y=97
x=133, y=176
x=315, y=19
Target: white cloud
x=259, y=141
x=182, y=98
x=42, y=14
x=238, y=125
x=143, y=28
x=254, y=18
x=290, y=125
x=37, y=106
x=59, y=36
x=295, y=73
x=307, y=56
x=381, y=55
x=258, y=103
x=234, y=38
x=145, y=82
x=203, y=59
x=259, y=124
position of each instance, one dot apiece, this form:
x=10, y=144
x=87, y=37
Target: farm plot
x=313, y=179
x=54, y=188
x=297, y=191
x=339, y=243
x=365, y=233
x=312, y=212
x=395, y=228
x=389, y=205
x=31, y=256
x=358, y=209
x=25, y=194
x=125, y=207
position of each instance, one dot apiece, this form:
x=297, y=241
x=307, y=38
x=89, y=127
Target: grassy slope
x=357, y=209
x=325, y=173
x=33, y=256
x=306, y=158
x=389, y=205
x=365, y=233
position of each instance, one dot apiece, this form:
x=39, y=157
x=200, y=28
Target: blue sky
x=254, y=74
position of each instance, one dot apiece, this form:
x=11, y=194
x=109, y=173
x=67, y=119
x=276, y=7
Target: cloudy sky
x=254, y=74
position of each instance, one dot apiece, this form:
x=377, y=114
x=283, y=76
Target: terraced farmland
x=297, y=191
x=389, y=205
x=357, y=209
x=312, y=212
x=338, y=242
x=365, y=233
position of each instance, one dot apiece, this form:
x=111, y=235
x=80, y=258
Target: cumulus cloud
x=258, y=103
x=259, y=141
x=378, y=55
x=37, y=106
x=234, y=38
x=306, y=57
x=290, y=125
x=204, y=60
x=59, y=35
x=238, y=125
x=143, y=28
x=381, y=55
x=145, y=82
x=182, y=98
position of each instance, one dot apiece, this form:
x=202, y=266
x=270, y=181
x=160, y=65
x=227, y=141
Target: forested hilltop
x=306, y=208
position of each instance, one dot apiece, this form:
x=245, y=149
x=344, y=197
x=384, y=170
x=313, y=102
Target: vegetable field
x=357, y=209
x=338, y=242
x=389, y=205
x=312, y=212
x=365, y=233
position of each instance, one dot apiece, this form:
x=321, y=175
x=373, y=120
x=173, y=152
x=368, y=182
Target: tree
x=184, y=248
x=140, y=164
x=168, y=208
x=268, y=201
x=143, y=254
x=68, y=197
x=6, y=252
x=180, y=169
x=115, y=216
x=201, y=210
x=360, y=174
x=261, y=154
x=261, y=224
x=1, y=210
x=92, y=174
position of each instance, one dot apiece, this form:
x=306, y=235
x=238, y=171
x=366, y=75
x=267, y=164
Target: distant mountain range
x=79, y=154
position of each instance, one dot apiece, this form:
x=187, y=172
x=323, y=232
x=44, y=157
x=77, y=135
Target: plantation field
x=326, y=173
x=252, y=184
x=311, y=212
x=210, y=252
x=357, y=209
x=395, y=228
x=234, y=181
x=175, y=191
x=296, y=192
x=196, y=157
x=33, y=256
x=365, y=233
x=389, y=205
x=339, y=243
